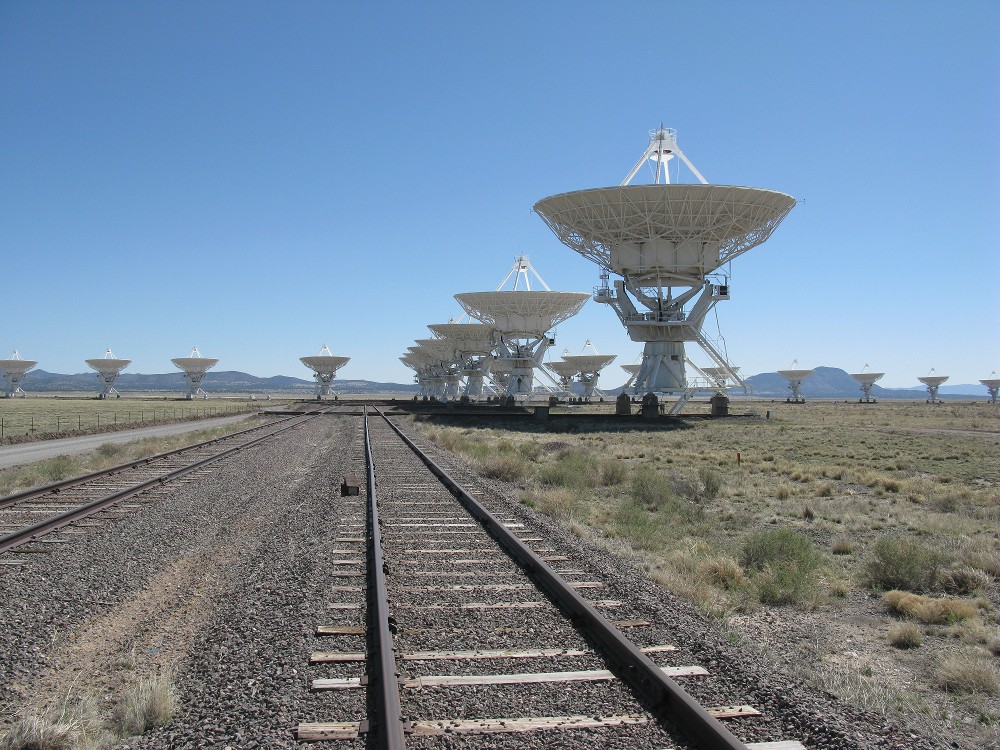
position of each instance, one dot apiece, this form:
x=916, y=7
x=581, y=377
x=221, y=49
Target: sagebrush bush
x=110, y=450
x=651, y=489
x=572, y=468
x=613, y=471
x=507, y=468
x=842, y=545
x=783, y=564
x=711, y=482
x=896, y=562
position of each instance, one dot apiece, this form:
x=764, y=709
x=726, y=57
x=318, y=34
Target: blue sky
x=262, y=178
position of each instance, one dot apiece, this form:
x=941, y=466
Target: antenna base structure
x=471, y=344
x=521, y=319
x=108, y=368
x=933, y=383
x=667, y=242
x=324, y=366
x=194, y=367
x=14, y=370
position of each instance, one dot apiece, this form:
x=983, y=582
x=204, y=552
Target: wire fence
x=29, y=424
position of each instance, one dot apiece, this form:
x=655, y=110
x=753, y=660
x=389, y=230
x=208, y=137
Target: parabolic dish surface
x=631, y=369
x=469, y=337
x=696, y=228
x=17, y=366
x=562, y=368
x=522, y=314
x=194, y=364
x=795, y=374
x=323, y=363
x=105, y=365
x=590, y=362
x=933, y=379
x=991, y=382
x=437, y=348
x=868, y=378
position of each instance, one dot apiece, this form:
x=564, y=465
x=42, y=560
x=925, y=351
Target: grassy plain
x=28, y=418
x=859, y=544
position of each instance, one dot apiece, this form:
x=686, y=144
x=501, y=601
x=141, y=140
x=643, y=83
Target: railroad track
x=55, y=513
x=454, y=622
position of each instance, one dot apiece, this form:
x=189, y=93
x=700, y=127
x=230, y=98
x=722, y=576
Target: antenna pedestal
x=662, y=368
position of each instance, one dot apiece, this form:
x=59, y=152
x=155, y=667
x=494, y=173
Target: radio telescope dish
x=472, y=343
x=933, y=382
x=665, y=241
x=108, y=368
x=992, y=384
x=194, y=366
x=867, y=379
x=589, y=366
x=795, y=377
x=324, y=366
x=522, y=318
x=13, y=370
x=564, y=372
x=446, y=365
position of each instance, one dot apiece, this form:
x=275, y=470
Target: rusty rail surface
x=29, y=533
x=666, y=697
x=389, y=727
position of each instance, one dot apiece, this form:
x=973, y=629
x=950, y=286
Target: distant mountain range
x=825, y=382
x=832, y=382
x=40, y=381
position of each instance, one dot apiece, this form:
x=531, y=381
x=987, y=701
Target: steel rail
x=73, y=481
x=53, y=523
x=667, y=698
x=390, y=728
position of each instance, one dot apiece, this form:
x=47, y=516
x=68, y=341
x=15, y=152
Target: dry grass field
x=53, y=416
x=856, y=545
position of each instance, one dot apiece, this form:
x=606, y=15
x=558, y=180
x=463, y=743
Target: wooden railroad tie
x=350, y=485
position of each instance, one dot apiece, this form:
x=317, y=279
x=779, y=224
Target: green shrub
x=896, y=562
x=530, y=450
x=711, y=482
x=613, y=471
x=572, y=468
x=652, y=490
x=58, y=468
x=783, y=564
x=507, y=468
x=110, y=450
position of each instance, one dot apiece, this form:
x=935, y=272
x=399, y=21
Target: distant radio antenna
x=867, y=379
x=933, y=382
x=992, y=384
x=13, y=370
x=795, y=377
x=324, y=366
x=194, y=366
x=108, y=368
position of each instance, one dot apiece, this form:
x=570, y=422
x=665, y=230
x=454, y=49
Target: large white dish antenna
x=522, y=314
x=324, y=366
x=108, y=368
x=563, y=369
x=653, y=233
x=194, y=366
x=631, y=369
x=13, y=370
x=992, y=384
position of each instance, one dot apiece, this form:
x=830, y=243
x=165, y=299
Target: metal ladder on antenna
x=682, y=401
x=719, y=359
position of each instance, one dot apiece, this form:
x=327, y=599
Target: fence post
x=58, y=425
x=32, y=424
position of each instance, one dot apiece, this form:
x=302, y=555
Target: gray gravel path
x=28, y=453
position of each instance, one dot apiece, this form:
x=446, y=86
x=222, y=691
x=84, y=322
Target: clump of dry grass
x=967, y=673
x=905, y=635
x=725, y=572
x=151, y=702
x=73, y=724
x=930, y=609
x=556, y=502
x=841, y=545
